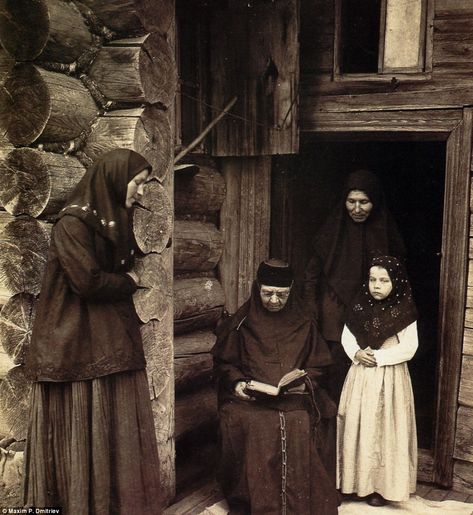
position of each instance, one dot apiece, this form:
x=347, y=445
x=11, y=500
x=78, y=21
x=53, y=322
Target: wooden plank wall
x=244, y=219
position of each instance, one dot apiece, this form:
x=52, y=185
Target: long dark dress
x=341, y=252
x=271, y=448
x=91, y=445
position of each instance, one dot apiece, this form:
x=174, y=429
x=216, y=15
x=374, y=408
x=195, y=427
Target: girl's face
x=358, y=205
x=135, y=188
x=380, y=284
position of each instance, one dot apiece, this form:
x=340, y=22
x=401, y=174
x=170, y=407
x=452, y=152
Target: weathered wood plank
x=463, y=476
x=451, y=29
x=444, y=97
x=464, y=436
x=452, y=293
x=245, y=223
x=262, y=71
x=447, y=51
x=197, y=501
x=425, y=465
x=453, y=7
x=194, y=410
x=468, y=342
x=465, y=395
x=429, y=121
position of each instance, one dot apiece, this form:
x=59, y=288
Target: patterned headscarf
x=99, y=200
x=373, y=321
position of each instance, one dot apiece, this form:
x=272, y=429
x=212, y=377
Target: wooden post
x=244, y=222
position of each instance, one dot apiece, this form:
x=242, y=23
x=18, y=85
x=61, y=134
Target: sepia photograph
x=236, y=257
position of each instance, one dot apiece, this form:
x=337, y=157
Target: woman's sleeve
x=76, y=253
x=349, y=343
x=319, y=357
x=403, y=351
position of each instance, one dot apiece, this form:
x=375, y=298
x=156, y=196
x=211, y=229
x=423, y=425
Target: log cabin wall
x=445, y=84
x=199, y=191
x=78, y=79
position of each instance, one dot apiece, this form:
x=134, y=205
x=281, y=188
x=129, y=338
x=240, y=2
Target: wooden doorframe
x=454, y=126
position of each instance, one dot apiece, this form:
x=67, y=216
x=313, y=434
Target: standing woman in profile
x=359, y=227
x=91, y=444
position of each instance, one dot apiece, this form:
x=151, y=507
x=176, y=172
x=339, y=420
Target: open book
x=291, y=378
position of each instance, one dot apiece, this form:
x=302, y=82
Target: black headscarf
x=373, y=321
x=344, y=247
x=99, y=200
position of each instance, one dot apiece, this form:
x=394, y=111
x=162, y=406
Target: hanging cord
x=317, y=415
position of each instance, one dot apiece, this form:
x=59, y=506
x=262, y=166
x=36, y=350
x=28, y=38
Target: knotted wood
x=208, y=318
x=136, y=70
x=16, y=320
x=25, y=243
x=154, y=295
x=134, y=17
x=153, y=222
x=200, y=192
x=196, y=296
x=49, y=30
x=14, y=397
x=146, y=130
x=45, y=106
x=35, y=183
x=197, y=246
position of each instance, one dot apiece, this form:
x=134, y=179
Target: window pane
x=360, y=36
x=403, y=34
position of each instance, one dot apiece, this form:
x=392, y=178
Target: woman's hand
x=297, y=389
x=366, y=357
x=240, y=391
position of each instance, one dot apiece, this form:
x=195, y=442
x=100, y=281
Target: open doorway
x=413, y=177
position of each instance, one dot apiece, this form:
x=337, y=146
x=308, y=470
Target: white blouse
x=392, y=354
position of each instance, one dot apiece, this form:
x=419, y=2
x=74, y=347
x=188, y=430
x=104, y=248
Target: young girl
x=376, y=437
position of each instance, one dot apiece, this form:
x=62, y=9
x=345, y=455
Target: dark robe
x=341, y=252
x=91, y=446
x=271, y=449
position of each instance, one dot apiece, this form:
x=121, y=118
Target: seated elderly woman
x=269, y=440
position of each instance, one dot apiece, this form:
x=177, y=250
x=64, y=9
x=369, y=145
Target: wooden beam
x=194, y=410
x=468, y=342
x=245, y=225
x=452, y=293
x=429, y=121
x=463, y=476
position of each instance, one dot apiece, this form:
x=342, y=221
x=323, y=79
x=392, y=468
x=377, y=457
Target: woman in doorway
x=91, y=444
x=376, y=427
x=359, y=228
x=270, y=444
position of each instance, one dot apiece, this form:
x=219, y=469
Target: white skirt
x=376, y=433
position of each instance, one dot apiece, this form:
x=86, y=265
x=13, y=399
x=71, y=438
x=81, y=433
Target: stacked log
x=199, y=192
x=81, y=78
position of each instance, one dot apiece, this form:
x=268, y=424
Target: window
x=382, y=37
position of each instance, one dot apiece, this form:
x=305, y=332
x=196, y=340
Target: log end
x=24, y=28
x=27, y=104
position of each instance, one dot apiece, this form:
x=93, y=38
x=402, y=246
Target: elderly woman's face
x=358, y=205
x=274, y=298
x=135, y=188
